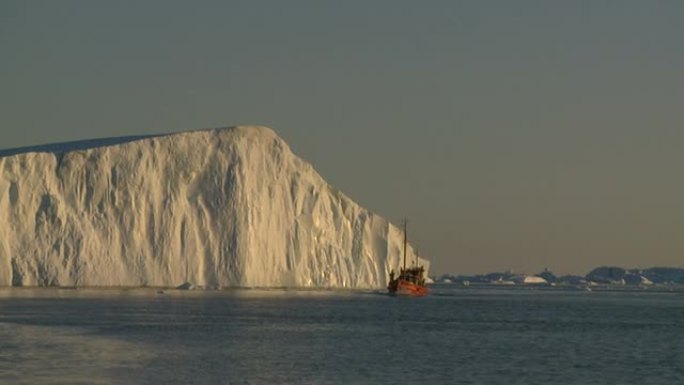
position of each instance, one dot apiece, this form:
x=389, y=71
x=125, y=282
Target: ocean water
x=454, y=336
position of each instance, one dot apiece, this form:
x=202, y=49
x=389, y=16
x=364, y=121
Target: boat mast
x=405, y=244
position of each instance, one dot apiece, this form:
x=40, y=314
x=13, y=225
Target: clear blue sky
x=512, y=134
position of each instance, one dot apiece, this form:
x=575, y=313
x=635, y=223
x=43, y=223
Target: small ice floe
x=185, y=286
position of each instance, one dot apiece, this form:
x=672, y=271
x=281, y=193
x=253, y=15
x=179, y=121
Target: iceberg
x=227, y=207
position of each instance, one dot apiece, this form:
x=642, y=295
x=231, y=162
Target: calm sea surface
x=455, y=336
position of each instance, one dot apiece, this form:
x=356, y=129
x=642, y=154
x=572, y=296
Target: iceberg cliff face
x=216, y=208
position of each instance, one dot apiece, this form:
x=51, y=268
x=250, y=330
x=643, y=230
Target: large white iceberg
x=214, y=208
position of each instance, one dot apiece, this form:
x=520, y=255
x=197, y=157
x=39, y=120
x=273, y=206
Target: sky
x=513, y=135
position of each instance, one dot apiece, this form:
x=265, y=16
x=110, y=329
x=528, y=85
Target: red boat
x=410, y=281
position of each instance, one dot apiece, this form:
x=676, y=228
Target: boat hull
x=401, y=287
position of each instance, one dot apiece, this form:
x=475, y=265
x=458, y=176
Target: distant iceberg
x=212, y=208
x=525, y=279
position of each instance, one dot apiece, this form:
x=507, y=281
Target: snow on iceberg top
x=88, y=144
